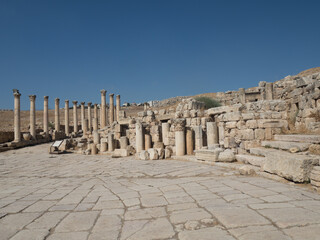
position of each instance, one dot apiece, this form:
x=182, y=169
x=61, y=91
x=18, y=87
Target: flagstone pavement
x=79, y=197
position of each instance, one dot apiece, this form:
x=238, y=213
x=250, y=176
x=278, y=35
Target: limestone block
x=153, y=154
x=247, y=134
x=271, y=123
x=314, y=149
x=231, y=125
x=208, y=155
x=121, y=153
x=251, y=144
x=162, y=112
x=142, y=114
x=252, y=124
x=232, y=116
x=241, y=125
x=247, y=116
x=144, y=155
x=158, y=145
x=193, y=113
x=123, y=142
x=247, y=170
x=103, y=146
x=168, y=152
x=259, y=134
x=186, y=114
x=226, y=156
x=161, y=153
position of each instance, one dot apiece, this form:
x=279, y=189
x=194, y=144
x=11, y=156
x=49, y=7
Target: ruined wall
x=6, y=137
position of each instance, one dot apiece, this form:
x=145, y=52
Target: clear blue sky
x=152, y=49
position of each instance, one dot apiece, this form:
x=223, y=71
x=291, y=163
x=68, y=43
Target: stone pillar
x=56, y=114
x=110, y=142
x=46, y=115
x=165, y=133
x=139, y=137
x=145, y=106
x=103, y=117
x=198, y=137
x=83, y=116
x=17, y=131
x=89, y=117
x=123, y=142
x=96, y=137
x=221, y=133
x=33, y=116
x=269, y=91
x=190, y=141
x=147, y=141
x=242, y=95
x=75, y=116
x=85, y=126
x=180, y=137
x=95, y=124
x=103, y=146
x=111, y=108
x=118, y=106
x=95, y=111
x=93, y=149
x=212, y=135
x=66, y=117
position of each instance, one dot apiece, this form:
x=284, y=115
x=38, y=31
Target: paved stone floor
x=78, y=197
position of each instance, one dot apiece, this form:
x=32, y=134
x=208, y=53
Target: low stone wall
x=6, y=137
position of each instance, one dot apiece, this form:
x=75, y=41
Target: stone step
x=250, y=159
x=298, y=138
x=291, y=166
x=285, y=145
x=207, y=155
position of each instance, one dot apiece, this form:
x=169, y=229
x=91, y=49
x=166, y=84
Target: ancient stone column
x=75, y=116
x=198, y=137
x=118, y=106
x=221, y=133
x=123, y=142
x=180, y=137
x=95, y=124
x=85, y=126
x=17, y=132
x=57, y=114
x=165, y=133
x=139, y=137
x=96, y=137
x=83, y=116
x=189, y=141
x=212, y=135
x=110, y=142
x=242, y=95
x=269, y=91
x=95, y=110
x=89, y=117
x=46, y=115
x=147, y=141
x=111, y=109
x=66, y=117
x=103, y=117
x=33, y=116
x=94, y=149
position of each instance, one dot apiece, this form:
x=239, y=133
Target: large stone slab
x=298, y=138
x=208, y=155
x=253, y=160
x=290, y=166
x=212, y=233
x=284, y=145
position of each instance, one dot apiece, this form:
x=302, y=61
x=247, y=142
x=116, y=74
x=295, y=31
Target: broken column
x=269, y=91
x=165, y=133
x=198, y=137
x=212, y=135
x=17, y=132
x=118, y=106
x=85, y=126
x=180, y=138
x=110, y=142
x=123, y=142
x=147, y=141
x=89, y=117
x=66, y=117
x=111, y=108
x=103, y=117
x=221, y=133
x=189, y=141
x=46, y=115
x=139, y=137
x=83, y=116
x=242, y=95
x=56, y=115
x=75, y=116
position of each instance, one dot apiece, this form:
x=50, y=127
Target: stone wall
x=6, y=137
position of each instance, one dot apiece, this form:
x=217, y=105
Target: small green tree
x=208, y=102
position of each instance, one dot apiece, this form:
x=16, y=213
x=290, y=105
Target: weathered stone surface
x=80, y=221
x=121, y=153
x=208, y=155
x=153, y=154
x=212, y=233
x=285, y=145
x=298, y=138
x=226, y=156
x=288, y=165
x=250, y=159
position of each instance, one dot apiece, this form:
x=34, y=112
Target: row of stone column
x=89, y=124
x=186, y=139
x=113, y=112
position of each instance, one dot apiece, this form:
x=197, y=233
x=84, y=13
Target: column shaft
x=17, y=131
x=139, y=137
x=57, y=115
x=46, y=115
x=66, y=117
x=118, y=107
x=33, y=116
x=111, y=109
x=75, y=117
x=103, y=121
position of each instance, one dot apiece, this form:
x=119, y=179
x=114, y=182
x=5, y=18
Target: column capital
x=66, y=101
x=111, y=94
x=75, y=102
x=89, y=104
x=32, y=98
x=46, y=97
x=96, y=104
x=16, y=94
x=103, y=92
x=57, y=100
x=118, y=96
x=82, y=103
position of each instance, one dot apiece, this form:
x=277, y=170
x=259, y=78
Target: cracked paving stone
x=213, y=233
x=78, y=221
